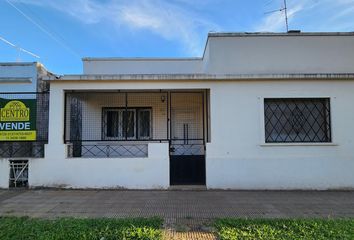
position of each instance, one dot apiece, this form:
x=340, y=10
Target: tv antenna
x=19, y=49
x=285, y=10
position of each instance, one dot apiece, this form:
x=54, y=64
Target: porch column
x=48, y=172
x=56, y=122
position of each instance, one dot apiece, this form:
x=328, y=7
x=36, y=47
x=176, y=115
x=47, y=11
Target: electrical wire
x=44, y=30
x=19, y=48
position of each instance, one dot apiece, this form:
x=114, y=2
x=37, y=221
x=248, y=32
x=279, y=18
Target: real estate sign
x=18, y=120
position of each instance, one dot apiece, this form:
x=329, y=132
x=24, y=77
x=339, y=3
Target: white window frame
x=137, y=118
x=120, y=126
x=120, y=111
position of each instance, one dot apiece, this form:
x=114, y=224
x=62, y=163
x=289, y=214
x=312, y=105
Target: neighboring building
x=24, y=103
x=257, y=111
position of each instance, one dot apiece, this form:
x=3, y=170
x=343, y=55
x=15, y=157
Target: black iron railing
x=184, y=147
x=107, y=150
x=22, y=149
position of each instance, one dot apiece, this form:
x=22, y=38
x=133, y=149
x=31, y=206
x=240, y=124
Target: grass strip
x=285, y=229
x=18, y=228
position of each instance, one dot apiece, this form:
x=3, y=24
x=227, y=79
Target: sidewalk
x=176, y=204
x=188, y=211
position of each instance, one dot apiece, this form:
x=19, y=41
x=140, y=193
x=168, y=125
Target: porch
x=125, y=124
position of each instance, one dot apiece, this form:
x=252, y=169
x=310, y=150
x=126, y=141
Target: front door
x=187, y=149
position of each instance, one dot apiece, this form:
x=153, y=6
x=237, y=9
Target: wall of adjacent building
x=4, y=173
x=18, y=77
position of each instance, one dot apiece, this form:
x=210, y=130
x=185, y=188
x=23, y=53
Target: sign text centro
x=17, y=121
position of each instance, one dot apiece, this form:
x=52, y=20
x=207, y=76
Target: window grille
x=120, y=124
x=18, y=173
x=297, y=120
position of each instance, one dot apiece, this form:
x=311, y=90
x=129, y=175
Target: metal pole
x=286, y=16
x=125, y=116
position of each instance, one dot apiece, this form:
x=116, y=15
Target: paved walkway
x=176, y=204
x=188, y=210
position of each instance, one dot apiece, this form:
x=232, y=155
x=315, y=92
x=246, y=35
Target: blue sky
x=61, y=32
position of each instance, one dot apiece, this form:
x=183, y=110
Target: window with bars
x=297, y=120
x=131, y=123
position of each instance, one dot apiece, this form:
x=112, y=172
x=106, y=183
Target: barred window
x=120, y=124
x=297, y=120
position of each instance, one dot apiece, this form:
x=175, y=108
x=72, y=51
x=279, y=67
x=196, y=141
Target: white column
x=56, y=147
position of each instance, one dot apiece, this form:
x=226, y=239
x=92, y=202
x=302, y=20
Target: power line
x=44, y=30
x=19, y=48
x=40, y=21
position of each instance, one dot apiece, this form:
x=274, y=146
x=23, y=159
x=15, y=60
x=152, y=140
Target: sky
x=61, y=32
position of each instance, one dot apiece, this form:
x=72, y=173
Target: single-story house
x=256, y=111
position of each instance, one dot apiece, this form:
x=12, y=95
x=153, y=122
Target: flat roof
x=18, y=63
x=199, y=77
x=141, y=59
x=291, y=33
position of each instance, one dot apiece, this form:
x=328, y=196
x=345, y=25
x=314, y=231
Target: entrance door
x=187, y=150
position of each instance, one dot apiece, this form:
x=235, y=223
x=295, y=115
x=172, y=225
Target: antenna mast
x=286, y=16
x=285, y=9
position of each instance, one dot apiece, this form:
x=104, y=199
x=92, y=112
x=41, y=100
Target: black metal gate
x=187, y=140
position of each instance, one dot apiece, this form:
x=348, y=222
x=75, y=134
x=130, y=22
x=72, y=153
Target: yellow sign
x=18, y=120
x=14, y=111
x=17, y=135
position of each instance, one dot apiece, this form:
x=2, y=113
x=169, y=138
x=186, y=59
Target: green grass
x=86, y=229
x=304, y=229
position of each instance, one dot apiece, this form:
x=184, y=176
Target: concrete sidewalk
x=186, y=214
x=176, y=204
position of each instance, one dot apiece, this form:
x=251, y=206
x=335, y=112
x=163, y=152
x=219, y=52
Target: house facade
x=257, y=111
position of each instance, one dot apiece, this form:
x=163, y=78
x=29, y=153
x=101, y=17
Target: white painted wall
x=284, y=54
x=136, y=173
x=241, y=53
x=142, y=66
x=4, y=173
x=236, y=157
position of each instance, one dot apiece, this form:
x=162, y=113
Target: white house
x=257, y=111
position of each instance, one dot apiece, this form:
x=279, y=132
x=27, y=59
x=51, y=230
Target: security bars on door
x=121, y=124
x=297, y=120
x=187, y=124
x=23, y=124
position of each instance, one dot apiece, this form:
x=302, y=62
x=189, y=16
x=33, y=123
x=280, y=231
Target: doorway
x=187, y=143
